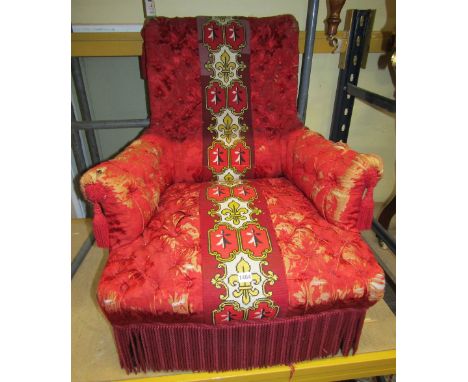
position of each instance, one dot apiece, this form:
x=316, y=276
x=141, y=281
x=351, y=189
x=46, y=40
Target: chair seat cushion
x=158, y=277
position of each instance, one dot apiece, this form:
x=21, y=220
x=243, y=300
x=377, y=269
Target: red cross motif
x=217, y=157
x=263, y=311
x=212, y=35
x=244, y=192
x=227, y=314
x=235, y=35
x=237, y=97
x=223, y=241
x=240, y=157
x=215, y=97
x=218, y=192
x=255, y=240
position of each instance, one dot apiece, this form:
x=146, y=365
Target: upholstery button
x=124, y=287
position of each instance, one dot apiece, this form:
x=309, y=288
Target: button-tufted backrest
x=172, y=62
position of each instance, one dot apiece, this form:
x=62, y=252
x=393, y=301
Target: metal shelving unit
x=347, y=90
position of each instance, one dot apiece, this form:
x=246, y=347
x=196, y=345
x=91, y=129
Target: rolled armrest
x=125, y=190
x=338, y=180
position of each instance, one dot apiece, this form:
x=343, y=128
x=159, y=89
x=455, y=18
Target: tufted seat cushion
x=158, y=277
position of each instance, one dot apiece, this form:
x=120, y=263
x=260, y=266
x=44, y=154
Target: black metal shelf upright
x=347, y=90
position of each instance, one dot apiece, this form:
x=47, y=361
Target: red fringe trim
x=100, y=227
x=366, y=213
x=203, y=347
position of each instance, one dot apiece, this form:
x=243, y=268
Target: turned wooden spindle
x=333, y=19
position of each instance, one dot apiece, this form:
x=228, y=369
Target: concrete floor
x=80, y=230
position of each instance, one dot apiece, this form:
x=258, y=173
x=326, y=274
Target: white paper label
x=245, y=277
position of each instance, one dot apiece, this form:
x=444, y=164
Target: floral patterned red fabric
x=158, y=277
x=127, y=188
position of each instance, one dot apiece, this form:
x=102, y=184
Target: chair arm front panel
x=125, y=190
x=338, y=180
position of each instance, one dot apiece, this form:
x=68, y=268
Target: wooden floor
x=94, y=357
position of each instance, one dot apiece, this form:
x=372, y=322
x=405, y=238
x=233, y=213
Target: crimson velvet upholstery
x=233, y=230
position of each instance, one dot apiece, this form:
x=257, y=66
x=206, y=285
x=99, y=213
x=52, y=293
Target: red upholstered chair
x=233, y=230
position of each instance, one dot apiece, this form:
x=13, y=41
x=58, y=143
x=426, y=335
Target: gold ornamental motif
x=235, y=213
x=228, y=129
x=226, y=67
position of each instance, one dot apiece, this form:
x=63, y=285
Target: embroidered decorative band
x=243, y=272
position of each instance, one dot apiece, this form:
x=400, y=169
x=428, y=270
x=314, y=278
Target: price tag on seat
x=245, y=277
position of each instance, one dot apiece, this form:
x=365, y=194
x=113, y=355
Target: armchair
x=233, y=230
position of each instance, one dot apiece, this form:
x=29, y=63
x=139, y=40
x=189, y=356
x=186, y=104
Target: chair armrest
x=125, y=190
x=338, y=180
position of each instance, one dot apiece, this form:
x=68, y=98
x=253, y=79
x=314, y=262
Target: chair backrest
x=176, y=70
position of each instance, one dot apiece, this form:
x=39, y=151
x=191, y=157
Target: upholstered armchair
x=233, y=230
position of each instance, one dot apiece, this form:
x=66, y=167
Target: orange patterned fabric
x=128, y=187
x=336, y=178
x=158, y=277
